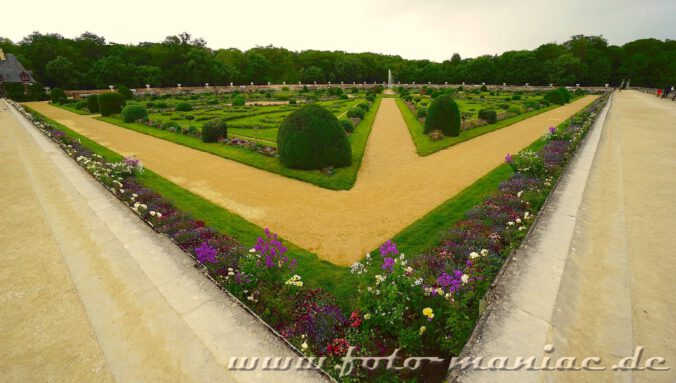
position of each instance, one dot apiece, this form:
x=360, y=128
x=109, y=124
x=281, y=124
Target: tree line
x=88, y=62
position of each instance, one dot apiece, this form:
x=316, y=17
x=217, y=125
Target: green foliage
x=131, y=113
x=370, y=97
x=363, y=105
x=579, y=92
x=238, y=101
x=58, y=96
x=565, y=93
x=516, y=97
x=356, y=113
x=123, y=90
x=183, y=106
x=292, y=101
x=483, y=88
x=488, y=115
x=312, y=138
x=93, y=103
x=214, y=130
x=347, y=126
x=515, y=110
x=422, y=113
x=111, y=103
x=212, y=101
x=444, y=115
x=555, y=97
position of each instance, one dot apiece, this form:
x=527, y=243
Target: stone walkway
x=394, y=188
x=597, y=278
x=89, y=293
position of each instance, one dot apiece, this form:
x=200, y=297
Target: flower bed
x=422, y=305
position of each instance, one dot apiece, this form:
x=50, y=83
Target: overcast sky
x=414, y=29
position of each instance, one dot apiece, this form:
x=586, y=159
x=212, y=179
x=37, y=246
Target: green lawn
x=425, y=146
x=342, y=179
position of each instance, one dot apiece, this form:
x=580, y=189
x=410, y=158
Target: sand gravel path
x=394, y=187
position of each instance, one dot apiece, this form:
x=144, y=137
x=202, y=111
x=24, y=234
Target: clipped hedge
x=443, y=115
x=111, y=103
x=313, y=138
x=183, y=106
x=93, y=103
x=214, y=130
x=131, y=113
x=488, y=115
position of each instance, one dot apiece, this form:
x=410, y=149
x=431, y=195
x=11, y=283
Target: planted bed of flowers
x=426, y=304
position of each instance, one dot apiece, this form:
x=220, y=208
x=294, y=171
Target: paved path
x=88, y=293
x=394, y=187
x=597, y=279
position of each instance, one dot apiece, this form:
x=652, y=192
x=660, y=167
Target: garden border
x=500, y=284
x=197, y=264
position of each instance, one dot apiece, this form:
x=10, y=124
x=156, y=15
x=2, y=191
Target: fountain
x=389, y=83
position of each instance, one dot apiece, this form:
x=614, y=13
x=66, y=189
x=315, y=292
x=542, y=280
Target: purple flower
x=388, y=248
x=206, y=254
x=508, y=158
x=272, y=251
x=552, y=130
x=388, y=263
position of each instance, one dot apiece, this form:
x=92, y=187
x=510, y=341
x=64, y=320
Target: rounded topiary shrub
x=356, y=113
x=483, y=88
x=555, y=97
x=444, y=115
x=515, y=110
x=238, y=101
x=292, y=101
x=312, y=138
x=488, y=115
x=111, y=103
x=565, y=93
x=93, y=103
x=183, y=106
x=422, y=113
x=131, y=113
x=363, y=105
x=347, y=126
x=214, y=130
x=516, y=97
x=57, y=96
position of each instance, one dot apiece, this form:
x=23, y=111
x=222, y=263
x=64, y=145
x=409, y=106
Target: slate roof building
x=11, y=71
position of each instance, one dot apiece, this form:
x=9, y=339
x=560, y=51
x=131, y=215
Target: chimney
x=2, y=55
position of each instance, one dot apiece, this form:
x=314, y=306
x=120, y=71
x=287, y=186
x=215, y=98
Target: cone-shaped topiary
x=488, y=115
x=123, y=90
x=444, y=115
x=312, y=138
x=111, y=103
x=93, y=103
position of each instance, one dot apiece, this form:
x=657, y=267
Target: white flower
x=464, y=278
x=152, y=212
x=484, y=252
x=510, y=223
x=473, y=255
x=519, y=194
x=526, y=215
x=304, y=346
x=252, y=250
x=159, y=215
x=518, y=220
x=367, y=316
x=409, y=270
x=380, y=279
x=521, y=228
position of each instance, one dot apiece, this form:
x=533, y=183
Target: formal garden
x=420, y=296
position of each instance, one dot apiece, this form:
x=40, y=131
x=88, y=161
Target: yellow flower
x=422, y=330
x=427, y=311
